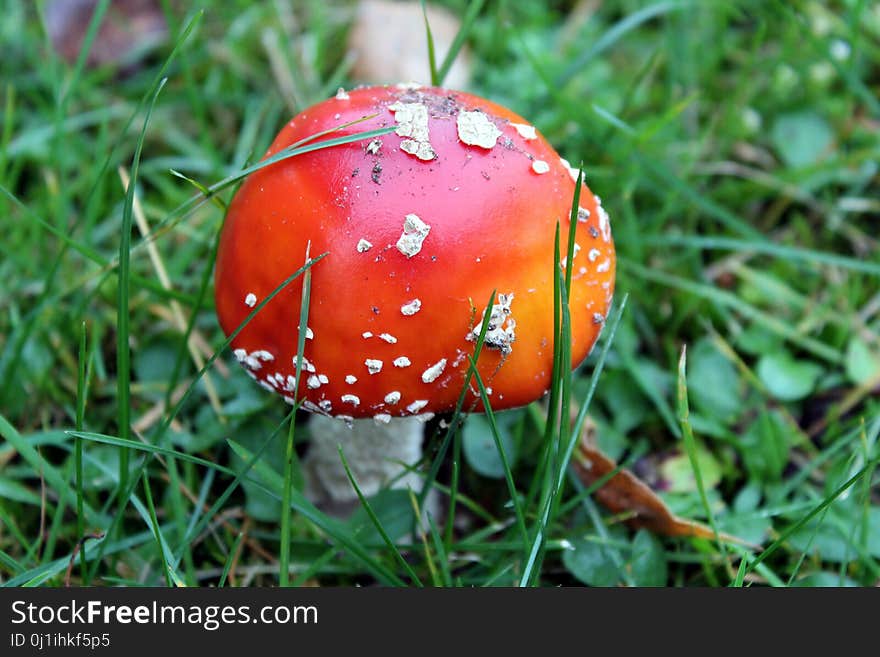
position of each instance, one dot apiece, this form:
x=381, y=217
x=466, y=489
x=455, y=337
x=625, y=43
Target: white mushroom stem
x=375, y=453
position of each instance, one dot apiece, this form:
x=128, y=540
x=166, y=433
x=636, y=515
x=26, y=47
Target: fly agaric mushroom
x=420, y=226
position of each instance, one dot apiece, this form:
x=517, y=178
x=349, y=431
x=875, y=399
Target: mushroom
x=420, y=226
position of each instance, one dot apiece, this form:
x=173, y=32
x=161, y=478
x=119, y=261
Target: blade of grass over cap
x=287, y=281
x=284, y=560
x=611, y=325
x=557, y=379
x=560, y=387
x=565, y=334
x=306, y=145
x=550, y=449
x=455, y=422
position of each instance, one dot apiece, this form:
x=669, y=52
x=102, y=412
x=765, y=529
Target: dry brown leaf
x=129, y=29
x=389, y=43
x=624, y=493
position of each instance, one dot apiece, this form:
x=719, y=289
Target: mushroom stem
x=377, y=454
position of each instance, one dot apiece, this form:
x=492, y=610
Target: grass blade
x=47, y=293
x=284, y=559
x=234, y=334
x=765, y=247
x=440, y=549
x=612, y=35
x=432, y=55
x=467, y=24
x=840, y=490
x=78, y=447
x=123, y=366
x=378, y=523
x=332, y=528
x=505, y=464
x=148, y=495
x=233, y=551
x=690, y=445
x=611, y=326
x=455, y=422
x=49, y=472
x=154, y=450
x=729, y=300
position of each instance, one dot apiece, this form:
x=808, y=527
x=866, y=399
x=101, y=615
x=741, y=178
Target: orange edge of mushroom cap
x=419, y=227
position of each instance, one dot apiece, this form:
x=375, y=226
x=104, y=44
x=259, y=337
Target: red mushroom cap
x=420, y=225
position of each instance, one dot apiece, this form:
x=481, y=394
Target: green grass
x=736, y=146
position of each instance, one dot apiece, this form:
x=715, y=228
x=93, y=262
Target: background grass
x=736, y=146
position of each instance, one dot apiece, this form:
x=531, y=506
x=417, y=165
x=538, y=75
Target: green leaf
x=745, y=520
x=749, y=527
x=259, y=502
x=713, y=382
x=747, y=499
x=833, y=537
x=862, y=363
x=332, y=527
x=467, y=24
x=649, y=566
x=786, y=378
x=627, y=406
x=824, y=579
x=394, y=510
x=209, y=431
x=38, y=358
x=757, y=340
x=801, y=138
x=592, y=563
x=247, y=397
x=765, y=448
x=480, y=450
x=678, y=473
x=153, y=362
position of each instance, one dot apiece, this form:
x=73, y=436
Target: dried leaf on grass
x=389, y=43
x=128, y=29
x=621, y=492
